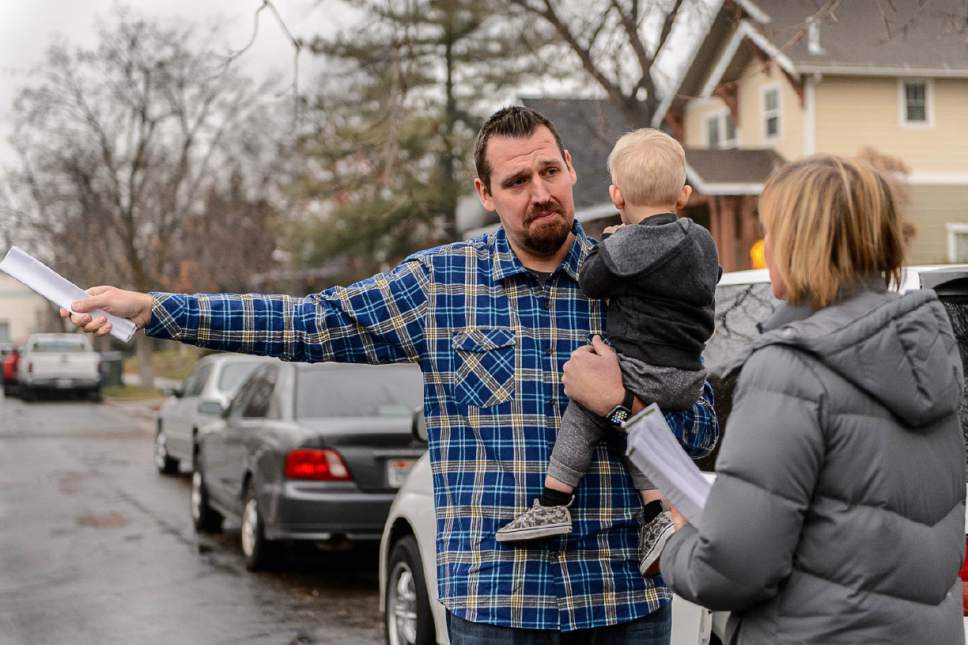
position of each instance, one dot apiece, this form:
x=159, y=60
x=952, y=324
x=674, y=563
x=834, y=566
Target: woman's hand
x=593, y=379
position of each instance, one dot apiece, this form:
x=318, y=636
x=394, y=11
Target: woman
x=837, y=515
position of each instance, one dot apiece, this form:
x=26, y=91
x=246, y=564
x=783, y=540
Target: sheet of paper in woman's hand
x=62, y=292
x=654, y=449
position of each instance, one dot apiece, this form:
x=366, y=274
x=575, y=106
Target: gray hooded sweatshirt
x=837, y=515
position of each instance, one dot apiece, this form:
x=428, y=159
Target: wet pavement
x=96, y=547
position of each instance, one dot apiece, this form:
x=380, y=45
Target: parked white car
x=408, y=575
x=202, y=397
x=58, y=362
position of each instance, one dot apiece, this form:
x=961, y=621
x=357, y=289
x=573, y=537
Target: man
x=491, y=322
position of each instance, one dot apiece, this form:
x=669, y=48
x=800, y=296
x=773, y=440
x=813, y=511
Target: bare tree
x=615, y=42
x=121, y=145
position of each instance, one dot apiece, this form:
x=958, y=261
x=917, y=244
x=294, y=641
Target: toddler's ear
x=684, y=196
x=617, y=198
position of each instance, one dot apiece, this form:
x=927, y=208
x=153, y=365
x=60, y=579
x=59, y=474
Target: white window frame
x=721, y=117
x=955, y=229
x=928, y=103
x=766, y=115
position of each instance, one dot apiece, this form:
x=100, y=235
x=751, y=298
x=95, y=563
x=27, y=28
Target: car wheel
x=9, y=390
x=205, y=518
x=165, y=463
x=408, y=619
x=95, y=395
x=259, y=553
x=28, y=394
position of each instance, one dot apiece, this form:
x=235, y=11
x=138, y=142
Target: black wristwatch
x=621, y=412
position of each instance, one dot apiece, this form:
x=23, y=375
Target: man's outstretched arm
x=377, y=320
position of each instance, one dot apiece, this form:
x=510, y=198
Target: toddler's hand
x=608, y=230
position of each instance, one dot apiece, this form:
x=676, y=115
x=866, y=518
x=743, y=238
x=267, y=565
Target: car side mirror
x=419, y=425
x=213, y=408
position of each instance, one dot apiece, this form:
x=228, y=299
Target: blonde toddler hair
x=649, y=167
x=832, y=222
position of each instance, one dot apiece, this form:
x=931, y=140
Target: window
x=260, y=403
x=196, y=382
x=771, y=113
x=712, y=131
x=916, y=102
x=957, y=242
x=234, y=374
x=720, y=130
x=4, y=331
x=358, y=391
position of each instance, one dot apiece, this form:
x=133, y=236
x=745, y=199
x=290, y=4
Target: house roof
x=730, y=171
x=929, y=37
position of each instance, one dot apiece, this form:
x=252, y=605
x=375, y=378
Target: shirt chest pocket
x=484, y=370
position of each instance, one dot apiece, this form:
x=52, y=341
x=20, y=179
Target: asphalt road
x=96, y=547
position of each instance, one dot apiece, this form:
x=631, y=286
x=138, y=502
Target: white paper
x=62, y=292
x=657, y=453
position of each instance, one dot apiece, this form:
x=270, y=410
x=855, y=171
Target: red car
x=10, y=371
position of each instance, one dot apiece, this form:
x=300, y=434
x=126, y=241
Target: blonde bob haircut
x=649, y=167
x=833, y=223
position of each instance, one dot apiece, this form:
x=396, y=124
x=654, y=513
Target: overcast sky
x=29, y=27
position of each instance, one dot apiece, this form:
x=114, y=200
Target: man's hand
x=124, y=304
x=592, y=377
x=678, y=519
x=608, y=230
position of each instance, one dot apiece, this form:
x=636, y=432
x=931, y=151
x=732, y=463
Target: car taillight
x=30, y=368
x=963, y=574
x=317, y=464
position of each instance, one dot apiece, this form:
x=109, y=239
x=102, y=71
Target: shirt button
x=546, y=303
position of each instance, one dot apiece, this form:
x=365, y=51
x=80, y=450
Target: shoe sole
x=653, y=554
x=533, y=533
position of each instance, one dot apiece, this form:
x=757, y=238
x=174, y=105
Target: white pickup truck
x=58, y=362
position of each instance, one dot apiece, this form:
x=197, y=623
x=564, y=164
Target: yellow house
x=22, y=312
x=785, y=76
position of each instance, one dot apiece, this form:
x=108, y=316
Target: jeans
x=654, y=629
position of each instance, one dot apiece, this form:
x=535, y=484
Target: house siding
x=931, y=208
x=749, y=128
x=22, y=310
x=854, y=112
x=756, y=76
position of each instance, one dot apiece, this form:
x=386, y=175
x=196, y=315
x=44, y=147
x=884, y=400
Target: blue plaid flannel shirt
x=491, y=342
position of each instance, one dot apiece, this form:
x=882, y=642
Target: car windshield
x=233, y=374
x=739, y=309
x=60, y=345
x=957, y=308
x=358, y=391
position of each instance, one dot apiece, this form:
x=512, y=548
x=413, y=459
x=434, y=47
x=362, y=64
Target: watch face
x=619, y=416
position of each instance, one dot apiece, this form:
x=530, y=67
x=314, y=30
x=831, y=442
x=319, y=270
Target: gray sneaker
x=537, y=522
x=652, y=539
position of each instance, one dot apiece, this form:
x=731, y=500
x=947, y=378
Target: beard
x=545, y=235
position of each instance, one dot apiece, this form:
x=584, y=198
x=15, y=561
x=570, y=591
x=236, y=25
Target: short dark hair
x=515, y=121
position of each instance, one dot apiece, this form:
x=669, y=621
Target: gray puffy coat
x=837, y=515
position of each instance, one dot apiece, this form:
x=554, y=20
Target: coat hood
x=900, y=349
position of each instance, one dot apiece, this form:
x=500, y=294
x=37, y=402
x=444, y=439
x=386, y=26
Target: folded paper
x=62, y=292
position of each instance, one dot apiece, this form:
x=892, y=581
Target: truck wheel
x=408, y=619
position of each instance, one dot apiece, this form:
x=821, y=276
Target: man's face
x=531, y=191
